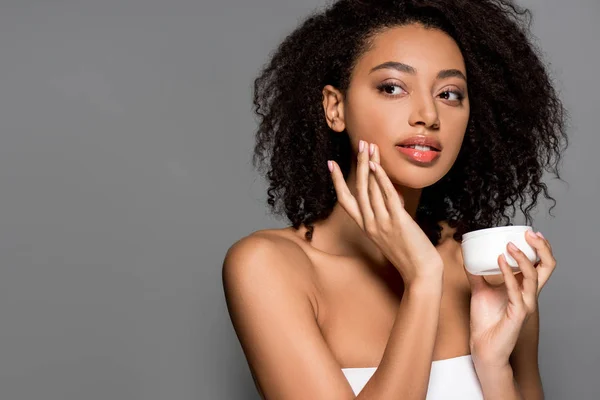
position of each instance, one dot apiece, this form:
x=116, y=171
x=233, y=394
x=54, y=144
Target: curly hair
x=516, y=127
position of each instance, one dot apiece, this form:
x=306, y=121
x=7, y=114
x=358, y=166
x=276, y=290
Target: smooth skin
x=304, y=310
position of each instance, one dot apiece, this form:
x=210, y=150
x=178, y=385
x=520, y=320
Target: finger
x=393, y=200
x=344, y=196
x=362, y=185
x=547, y=262
x=375, y=194
x=512, y=286
x=477, y=282
x=539, y=234
x=529, y=272
x=519, y=277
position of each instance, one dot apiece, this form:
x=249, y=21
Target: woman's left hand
x=498, y=312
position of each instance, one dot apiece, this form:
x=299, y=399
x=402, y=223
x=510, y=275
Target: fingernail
x=372, y=165
x=371, y=149
x=361, y=146
x=330, y=166
x=531, y=234
x=540, y=235
x=512, y=246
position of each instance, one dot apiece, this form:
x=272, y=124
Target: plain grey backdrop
x=125, y=144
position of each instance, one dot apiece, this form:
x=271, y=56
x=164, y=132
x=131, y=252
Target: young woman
x=435, y=118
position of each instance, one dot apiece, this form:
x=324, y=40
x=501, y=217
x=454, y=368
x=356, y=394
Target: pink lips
x=419, y=155
x=422, y=140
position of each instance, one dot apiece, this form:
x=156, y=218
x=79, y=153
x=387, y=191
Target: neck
x=340, y=235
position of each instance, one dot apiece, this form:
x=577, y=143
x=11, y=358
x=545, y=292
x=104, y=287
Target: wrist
x=425, y=286
x=497, y=382
x=485, y=363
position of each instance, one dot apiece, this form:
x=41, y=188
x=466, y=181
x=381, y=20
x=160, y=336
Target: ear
x=333, y=105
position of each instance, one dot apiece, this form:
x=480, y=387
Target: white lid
x=495, y=229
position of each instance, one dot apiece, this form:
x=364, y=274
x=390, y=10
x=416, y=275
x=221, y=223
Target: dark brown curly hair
x=516, y=127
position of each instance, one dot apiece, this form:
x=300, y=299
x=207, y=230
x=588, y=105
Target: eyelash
x=383, y=86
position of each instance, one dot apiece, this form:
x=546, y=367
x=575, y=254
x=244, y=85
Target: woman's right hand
x=379, y=210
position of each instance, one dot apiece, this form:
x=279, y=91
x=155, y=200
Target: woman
x=434, y=117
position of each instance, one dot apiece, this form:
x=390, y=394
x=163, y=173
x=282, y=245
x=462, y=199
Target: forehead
x=428, y=50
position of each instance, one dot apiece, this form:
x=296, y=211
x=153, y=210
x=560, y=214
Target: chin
x=417, y=178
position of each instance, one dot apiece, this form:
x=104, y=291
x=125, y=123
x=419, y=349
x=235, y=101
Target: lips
x=419, y=155
x=422, y=140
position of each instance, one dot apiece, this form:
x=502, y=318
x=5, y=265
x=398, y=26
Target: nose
x=424, y=112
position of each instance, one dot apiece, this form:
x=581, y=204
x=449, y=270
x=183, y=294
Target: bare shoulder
x=269, y=258
x=267, y=282
x=274, y=240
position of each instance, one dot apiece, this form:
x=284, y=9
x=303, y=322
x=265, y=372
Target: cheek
x=456, y=117
x=452, y=146
x=454, y=124
x=376, y=121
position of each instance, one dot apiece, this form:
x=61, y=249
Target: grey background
x=124, y=177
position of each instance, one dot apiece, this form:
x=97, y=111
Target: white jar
x=481, y=248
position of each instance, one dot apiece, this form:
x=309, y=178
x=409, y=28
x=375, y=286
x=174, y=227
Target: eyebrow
x=445, y=73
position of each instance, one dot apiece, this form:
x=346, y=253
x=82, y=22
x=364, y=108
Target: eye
x=452, y=95
x=390, y=89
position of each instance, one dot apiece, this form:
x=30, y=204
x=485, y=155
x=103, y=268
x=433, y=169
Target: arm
x=515, y=336
x=406, y=364
x=524, y=360
x=520, y=379
x=497, y=383
x=268, y=301
x=271, y=311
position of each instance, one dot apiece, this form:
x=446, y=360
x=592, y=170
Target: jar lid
x=486, y=231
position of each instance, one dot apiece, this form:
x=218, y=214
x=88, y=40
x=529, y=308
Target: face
x=412, y=82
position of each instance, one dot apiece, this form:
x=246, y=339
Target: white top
x=450, y=379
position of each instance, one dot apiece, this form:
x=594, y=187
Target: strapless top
x=452, y=378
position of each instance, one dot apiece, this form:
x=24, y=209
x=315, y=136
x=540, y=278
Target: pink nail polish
x=361, y=146
x=330, y=166
x=512, y=246
x=371, y=149
x=540, y=235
